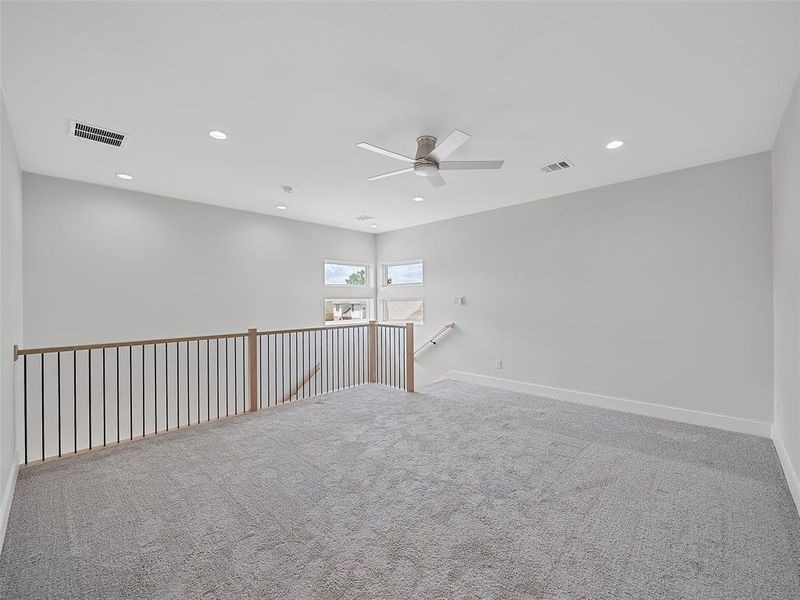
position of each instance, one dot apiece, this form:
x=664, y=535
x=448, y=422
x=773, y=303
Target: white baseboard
x=788, y=468
x=682, y=415
x=8, y=497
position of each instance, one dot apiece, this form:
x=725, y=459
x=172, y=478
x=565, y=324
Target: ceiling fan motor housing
x=424, y=166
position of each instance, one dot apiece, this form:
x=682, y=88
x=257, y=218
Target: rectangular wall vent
x=557, y=166
x=98, y=134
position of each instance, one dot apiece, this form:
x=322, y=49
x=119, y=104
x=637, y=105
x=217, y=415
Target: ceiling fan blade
x=449, y=145
x=388, y=153
x=436, y=180
x=393, y=173
x=453, y=165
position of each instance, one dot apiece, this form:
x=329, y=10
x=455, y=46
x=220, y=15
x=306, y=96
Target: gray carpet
x=456, y=492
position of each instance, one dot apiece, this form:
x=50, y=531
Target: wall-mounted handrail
x=300, y=384
x=433, y=339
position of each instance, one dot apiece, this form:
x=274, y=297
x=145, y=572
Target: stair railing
x=82, y=397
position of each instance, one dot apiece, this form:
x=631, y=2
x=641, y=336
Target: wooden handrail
x=294, y=389
x=435, y=336
x=304, y=329
x=391, y=325
x=195, y=338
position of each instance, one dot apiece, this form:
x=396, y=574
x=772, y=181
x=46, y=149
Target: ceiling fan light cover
x=425, y=169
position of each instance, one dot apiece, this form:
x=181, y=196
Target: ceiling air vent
x=557, y=166
x=364, y=218
x=98, y=134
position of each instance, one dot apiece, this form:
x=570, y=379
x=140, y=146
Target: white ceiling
x=298, y=85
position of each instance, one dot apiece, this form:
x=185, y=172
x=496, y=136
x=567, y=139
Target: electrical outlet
x=498, y=364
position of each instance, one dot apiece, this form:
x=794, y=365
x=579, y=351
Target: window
x=348, y=274
x=347, y=310
x=405, y=273
x=403, y=310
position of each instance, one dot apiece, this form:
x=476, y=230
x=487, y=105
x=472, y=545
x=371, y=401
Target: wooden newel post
x=373, y=352
x=252, y=367
x=409, y=357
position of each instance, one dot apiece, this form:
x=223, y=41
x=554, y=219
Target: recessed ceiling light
x=614, y=144
x=281, y=206
x=373, y=226
x=418, y=199
x=218, y=135
x=125, y=176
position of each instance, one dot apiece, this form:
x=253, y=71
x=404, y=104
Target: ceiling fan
x=429, y=159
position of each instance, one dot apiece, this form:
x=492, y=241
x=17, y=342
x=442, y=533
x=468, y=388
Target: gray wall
x=105, y=264
x=786, y=257
x=10, y=304
x=657, y=290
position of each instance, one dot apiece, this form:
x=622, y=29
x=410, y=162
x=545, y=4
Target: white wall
x=657, y=290
x=105, y=264
x=10, y=307
x=786, y=285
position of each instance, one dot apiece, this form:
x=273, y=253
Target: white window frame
x=348, y=263
x=385, y=273
x=370, y=302
x=385, y=308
